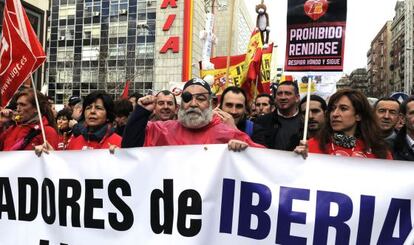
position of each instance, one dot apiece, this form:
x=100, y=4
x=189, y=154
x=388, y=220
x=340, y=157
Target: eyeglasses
x=200, y=97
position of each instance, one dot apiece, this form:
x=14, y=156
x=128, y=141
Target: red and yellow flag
x=219, y=73
x=245, y=70
x=264, y=81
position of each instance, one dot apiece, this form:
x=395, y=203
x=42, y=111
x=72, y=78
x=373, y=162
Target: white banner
x=202, y=195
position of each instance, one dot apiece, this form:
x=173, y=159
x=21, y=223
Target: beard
x=195, y=118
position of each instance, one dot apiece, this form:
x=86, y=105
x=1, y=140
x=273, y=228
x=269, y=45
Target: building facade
x=397, y=65
x=243, y=25
x=359, y=80
x=100, y=44
x=37, y=13
x=402, y=52
x=379, y=60
x=343, y=82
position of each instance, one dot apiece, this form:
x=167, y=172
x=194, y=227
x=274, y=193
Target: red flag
x=124, y=94
x=20, y=51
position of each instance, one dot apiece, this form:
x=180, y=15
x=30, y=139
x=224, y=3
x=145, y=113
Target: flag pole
x=308, y=93
x=42, y=127
x=256, y=89
x=233, y=2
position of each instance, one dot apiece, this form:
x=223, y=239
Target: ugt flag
x=20, y=51
x=315, y=35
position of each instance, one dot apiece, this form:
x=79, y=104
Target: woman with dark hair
x=26, y=132
x=351, y=129
x=63, y=118
x=97, y=133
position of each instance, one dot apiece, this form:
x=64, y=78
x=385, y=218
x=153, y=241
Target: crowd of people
x=346, y=125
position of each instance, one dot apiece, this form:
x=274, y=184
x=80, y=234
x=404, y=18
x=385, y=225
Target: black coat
x=271, y=124
x=401, y=150
x=258, y=135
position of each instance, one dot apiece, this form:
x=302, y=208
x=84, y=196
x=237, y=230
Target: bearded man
x=196, y=123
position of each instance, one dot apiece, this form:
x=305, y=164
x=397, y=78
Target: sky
x=365, y=18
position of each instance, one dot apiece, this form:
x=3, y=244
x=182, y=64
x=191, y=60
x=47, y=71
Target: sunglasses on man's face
x=200, y=97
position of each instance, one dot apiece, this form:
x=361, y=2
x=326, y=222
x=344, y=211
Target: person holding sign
x=351, y=129
x=316, y=117
x=196, y=123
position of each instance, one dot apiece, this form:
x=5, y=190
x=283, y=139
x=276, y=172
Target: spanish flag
x=264, y=82
x=252, y=63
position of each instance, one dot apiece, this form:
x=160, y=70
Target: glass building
x=100, y=44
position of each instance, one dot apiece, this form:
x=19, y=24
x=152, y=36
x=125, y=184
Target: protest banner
x=315, y=35
x=202, y=194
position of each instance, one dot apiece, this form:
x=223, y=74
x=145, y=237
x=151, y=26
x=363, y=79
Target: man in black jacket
x=283, y=126
x=404, y=142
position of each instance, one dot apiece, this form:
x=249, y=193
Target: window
x=67, y=33
x=91, y=31
x=90, y=53
x=119, y=29
x=143, y=50
x=92, y=9
x=89, y=76
x=67, y=11
x=117, y=50
x=116, y=75
x=64, y=75
x=70, y=32
x=114, y=7
x=64, y=54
